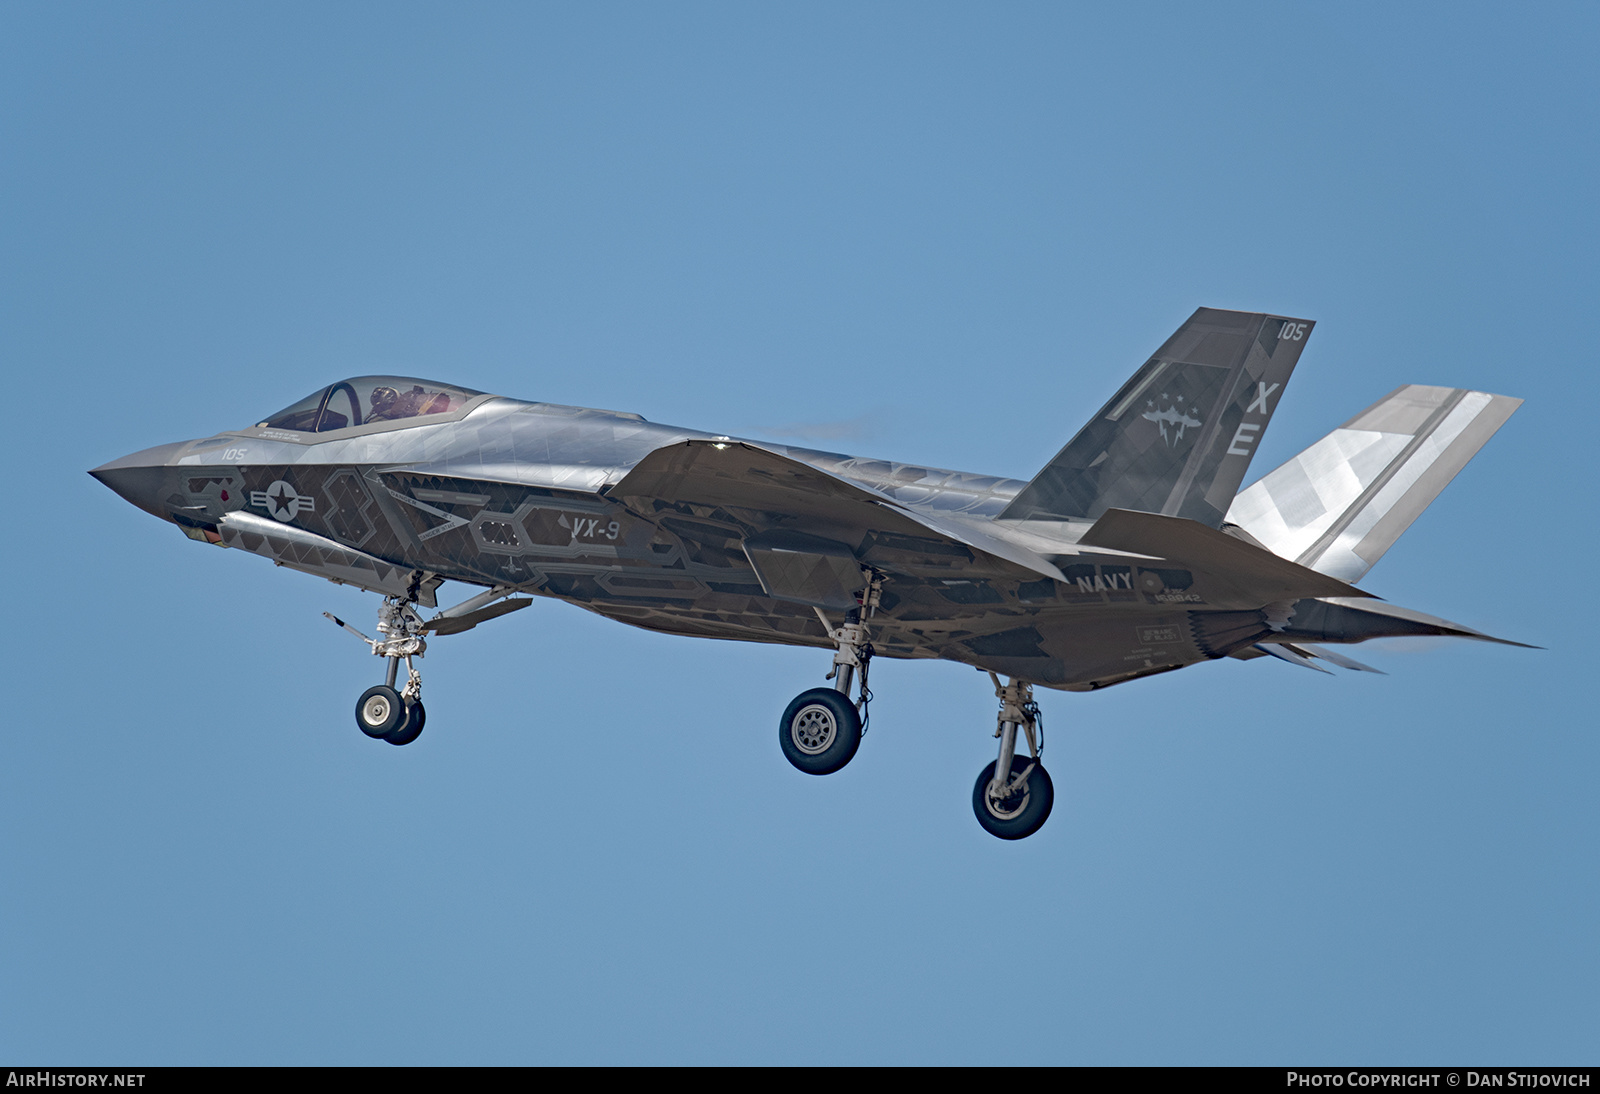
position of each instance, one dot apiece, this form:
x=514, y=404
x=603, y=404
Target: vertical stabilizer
x=1340, y=504
x=1179, y=436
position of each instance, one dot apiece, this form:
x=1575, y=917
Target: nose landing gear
x=382, y=712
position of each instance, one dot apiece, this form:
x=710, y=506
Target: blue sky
x=931, y=232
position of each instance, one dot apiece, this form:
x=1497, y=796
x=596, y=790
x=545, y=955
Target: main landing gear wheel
x=411, y=726
x=820, y=731
x=1020, y=813
x=380, y=711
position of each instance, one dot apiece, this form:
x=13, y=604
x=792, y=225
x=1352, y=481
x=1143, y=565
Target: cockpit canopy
x=367, y=400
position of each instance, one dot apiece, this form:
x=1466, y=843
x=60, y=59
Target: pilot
x=385, y=405
x=389, y=404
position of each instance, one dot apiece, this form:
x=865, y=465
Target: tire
x=380, y=711
x=820, y=731
x=1016, y=819
x=410, y=727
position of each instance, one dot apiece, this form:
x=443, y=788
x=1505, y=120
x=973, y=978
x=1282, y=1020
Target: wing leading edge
x=780, y=494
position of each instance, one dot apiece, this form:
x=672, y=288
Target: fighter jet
x=1133, y=552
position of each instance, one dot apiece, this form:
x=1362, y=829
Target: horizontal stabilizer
x=1339, y=619
x=1340, y=504
x=1254, y=574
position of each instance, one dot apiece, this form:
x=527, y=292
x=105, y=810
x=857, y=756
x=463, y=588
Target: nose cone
x=144, y=478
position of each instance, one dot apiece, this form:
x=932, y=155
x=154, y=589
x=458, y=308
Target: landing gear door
x=805, y=569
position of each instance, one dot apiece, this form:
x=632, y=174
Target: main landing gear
x=1013, y=795
x=396, y=716
x=821, y=729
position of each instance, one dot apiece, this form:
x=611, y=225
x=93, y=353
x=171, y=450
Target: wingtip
x=1508, y=642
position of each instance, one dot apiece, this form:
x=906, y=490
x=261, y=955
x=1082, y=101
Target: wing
x=799, y=517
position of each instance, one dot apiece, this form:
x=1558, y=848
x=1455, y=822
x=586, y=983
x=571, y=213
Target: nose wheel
x=387, y=715
x=410, y=727
x=380, y=711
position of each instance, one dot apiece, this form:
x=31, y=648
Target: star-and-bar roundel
x=283, y=501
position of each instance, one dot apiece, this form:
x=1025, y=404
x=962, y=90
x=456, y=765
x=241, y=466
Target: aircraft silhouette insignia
x=1171, y=416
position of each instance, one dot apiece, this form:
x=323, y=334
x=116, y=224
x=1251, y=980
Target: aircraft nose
x=143, y=478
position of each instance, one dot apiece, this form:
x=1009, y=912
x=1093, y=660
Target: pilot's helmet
x=383, y=398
